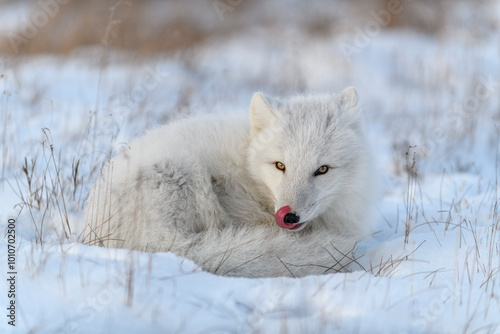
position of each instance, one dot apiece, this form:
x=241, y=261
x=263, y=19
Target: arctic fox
x=284, y=192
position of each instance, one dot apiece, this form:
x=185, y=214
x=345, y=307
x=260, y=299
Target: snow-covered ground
x=433, y=263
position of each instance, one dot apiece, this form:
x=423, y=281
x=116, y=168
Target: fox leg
x=161, y=206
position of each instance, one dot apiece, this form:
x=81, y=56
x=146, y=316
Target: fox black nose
x=291, y=218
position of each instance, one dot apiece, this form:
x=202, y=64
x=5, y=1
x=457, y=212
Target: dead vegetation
x=85, y=23
x=46, y=189
x=143, y=27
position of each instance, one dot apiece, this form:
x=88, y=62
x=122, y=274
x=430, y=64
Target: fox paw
x=167, y=174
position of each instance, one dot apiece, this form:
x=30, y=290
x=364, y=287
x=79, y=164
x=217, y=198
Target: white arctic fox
x=284, y=193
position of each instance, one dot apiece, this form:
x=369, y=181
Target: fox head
x=309, y=152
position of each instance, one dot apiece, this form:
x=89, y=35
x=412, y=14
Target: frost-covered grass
x=432, y=113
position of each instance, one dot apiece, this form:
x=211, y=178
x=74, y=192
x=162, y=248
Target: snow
x=13, y=15
x=438, y=92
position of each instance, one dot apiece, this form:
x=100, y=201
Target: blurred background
x=145, y=27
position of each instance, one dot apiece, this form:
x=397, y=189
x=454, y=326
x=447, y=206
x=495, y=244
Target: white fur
x=207, y=188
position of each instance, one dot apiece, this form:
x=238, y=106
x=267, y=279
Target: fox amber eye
x=322, y=170
x=280, y=166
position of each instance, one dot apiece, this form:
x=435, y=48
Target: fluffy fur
x=207, y=188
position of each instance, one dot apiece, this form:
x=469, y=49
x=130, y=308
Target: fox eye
x=322, y=170
x=280, y=166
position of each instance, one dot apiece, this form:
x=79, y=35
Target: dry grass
x=181, y=24
x=85, y=23
x=44, y=188
x=412, y=172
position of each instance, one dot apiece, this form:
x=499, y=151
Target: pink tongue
x=280, y=218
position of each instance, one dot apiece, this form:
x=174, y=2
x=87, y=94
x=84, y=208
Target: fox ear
x=261, y=114
x=348, y=101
